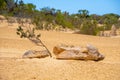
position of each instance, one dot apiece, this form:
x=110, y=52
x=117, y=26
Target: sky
x=99, y=7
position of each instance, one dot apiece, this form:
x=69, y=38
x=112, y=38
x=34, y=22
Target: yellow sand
x=12, y=67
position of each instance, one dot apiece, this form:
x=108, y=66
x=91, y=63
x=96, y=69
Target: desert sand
x=13, y=67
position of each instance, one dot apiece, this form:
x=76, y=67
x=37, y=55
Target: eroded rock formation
x=77, y=53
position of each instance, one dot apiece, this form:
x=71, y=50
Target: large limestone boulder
x=35, y=54
x=68, y=52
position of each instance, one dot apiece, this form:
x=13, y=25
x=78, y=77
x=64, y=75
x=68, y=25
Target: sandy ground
x=12, y=67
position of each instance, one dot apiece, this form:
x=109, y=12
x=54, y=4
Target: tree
x=59, y=17
x=30, y=8
x=95, y=17
x=83, y=13
x=2, y=5
x=11, y=4
x=109, y=20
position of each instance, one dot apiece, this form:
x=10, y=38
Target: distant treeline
x=46, y=17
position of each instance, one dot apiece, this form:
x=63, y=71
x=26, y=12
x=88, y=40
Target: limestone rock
x=94, y=53
x=87, y=53
x=35, y=54
x=113, y=30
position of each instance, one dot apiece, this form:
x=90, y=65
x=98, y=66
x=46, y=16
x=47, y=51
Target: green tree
x=30, y=8
x=109, y=20
x=83, y=13
x=2, y=5
x=59, y=17
x=95, y=17
x=62, y=19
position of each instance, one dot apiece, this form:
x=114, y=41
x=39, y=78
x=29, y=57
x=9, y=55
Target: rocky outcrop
x=113, y=30
x=35, y=54
x=77, y=53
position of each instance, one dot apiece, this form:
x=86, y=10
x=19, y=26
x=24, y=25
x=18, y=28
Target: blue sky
x=99, y=7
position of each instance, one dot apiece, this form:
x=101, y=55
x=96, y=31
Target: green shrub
x=89, y=28
x=27, y=33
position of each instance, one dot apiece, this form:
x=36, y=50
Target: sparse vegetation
x=27, y=33
x=43, y=18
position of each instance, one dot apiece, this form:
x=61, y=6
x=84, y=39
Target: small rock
x=35, y=54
